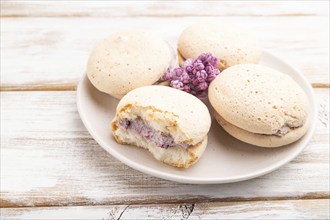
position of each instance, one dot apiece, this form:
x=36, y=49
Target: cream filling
x=285, y=129
x=142, y=128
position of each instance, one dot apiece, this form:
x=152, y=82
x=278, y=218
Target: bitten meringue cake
x=170, y=123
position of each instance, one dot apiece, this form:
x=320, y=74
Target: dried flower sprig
x=194, y=76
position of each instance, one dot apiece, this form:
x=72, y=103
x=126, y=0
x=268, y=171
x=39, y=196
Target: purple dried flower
x=214, y=61
x=176, y=84
x=189, y=68
x=202, y=86
x=186, y=88
x=177, y=72
x=185, y=78
x=167, y=75
x=209, y=68
x=194, y=76
x=198, y=65
x=211, y=77
x=187, y=62
x=201, y=76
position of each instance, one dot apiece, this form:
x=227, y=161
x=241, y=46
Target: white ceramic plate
x=226, y=159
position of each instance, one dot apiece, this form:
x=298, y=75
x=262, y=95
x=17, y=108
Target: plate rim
x=197, y=180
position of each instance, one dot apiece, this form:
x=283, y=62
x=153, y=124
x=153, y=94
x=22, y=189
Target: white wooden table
x=52, y=168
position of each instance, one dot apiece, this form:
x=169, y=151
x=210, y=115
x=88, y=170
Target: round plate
x=226, y=159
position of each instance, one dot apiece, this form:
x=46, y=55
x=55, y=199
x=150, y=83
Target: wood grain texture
x=51, y=53
x=21, y=8
x=288, y=209
x=49, y=159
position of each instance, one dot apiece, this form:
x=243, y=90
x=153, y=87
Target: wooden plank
x=11, y=8
x=51, y=53
x=49, y=159
x=282, y=209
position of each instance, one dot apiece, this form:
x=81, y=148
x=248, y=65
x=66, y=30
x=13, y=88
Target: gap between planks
x=73, y=86
x=13, y=9
x=307, y=196
x=39, y=87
